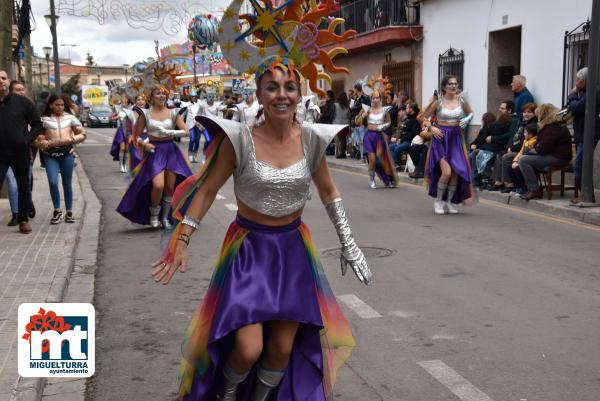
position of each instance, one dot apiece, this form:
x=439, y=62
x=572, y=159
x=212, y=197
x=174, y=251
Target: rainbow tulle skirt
x=135, y=203
x=374, y=142
x=452, y=148
x=267, y=273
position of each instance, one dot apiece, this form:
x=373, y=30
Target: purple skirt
x=451, y=148
x=116, y=143
x=136, y=202
x=272, y=276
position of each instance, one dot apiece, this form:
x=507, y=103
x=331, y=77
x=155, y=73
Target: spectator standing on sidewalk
x=18, y=88
x=62, y=130
x=576, y=104
x=358, y=131
x=341, y=117
x=522, y=94
x=19, y=125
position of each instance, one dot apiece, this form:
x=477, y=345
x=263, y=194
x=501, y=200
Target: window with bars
x=401, y=76
x=451, y=62
x=575, y=55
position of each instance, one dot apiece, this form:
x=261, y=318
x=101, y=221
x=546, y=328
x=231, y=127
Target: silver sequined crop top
x=450, y=115
x=153, y=126
x=376, y=118
x=270, y=190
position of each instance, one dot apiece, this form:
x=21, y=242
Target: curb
x=542, y=205
x=75, y=284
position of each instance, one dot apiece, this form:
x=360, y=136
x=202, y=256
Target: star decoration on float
x=266, y=21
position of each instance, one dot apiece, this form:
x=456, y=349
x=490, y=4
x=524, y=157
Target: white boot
x=449, y=207
x=372, y=180
x=438, y=207
x=154, y=211
x=191, y=157
x=166, y=209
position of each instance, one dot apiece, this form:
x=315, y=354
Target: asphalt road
x=493, y=304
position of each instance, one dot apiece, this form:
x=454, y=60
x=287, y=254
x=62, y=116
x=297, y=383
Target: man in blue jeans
x=19, y=125
x=576, y=104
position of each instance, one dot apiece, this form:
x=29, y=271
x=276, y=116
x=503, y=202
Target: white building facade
x=520, y=37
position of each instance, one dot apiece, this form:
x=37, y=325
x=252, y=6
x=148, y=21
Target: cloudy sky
x=114, y=42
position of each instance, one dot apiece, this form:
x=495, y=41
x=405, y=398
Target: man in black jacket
x=17, y=114
x=356, y=108
x=576, y=104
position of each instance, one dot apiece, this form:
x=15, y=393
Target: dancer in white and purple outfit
x=163, y=166
x=136, y=153
x=118, y=149
x=447, y=168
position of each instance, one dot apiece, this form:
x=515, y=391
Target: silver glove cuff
x=337, y=215
x=190, y=221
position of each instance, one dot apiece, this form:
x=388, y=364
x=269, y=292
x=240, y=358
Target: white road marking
x=458, y=385
x=220, y=197
x=231, y=206
x=443, y=336
x=402, y=314
x=362, y=309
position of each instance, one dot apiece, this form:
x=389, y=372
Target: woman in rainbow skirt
x=269, y=326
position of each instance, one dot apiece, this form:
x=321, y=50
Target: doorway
x=504, y=61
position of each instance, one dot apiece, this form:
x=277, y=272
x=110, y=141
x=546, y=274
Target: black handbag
x=59, y=151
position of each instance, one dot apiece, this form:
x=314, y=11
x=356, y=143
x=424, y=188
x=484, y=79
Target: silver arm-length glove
x=464, y=122
x=351, y=253
x=174, y=133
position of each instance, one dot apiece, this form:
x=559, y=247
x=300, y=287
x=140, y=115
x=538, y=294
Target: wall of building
x=369, y=63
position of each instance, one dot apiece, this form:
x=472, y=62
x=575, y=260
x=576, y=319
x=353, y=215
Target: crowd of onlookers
x=513, y=145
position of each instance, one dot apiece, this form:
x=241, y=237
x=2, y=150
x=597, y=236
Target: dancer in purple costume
x=269, y=326
x=118, y=149
x=136, y=153
x=163, y=166
x=375, y=144
x=447, y=165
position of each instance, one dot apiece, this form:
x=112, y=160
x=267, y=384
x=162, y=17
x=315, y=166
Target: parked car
x=99, y=115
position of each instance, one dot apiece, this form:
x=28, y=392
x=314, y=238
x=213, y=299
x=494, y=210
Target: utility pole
x=587, y=176
x=28, y=69
x=6, y=16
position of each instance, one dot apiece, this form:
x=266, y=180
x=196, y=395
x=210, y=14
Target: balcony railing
x=368, y=15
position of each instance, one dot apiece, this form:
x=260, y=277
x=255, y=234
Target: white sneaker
x=438, y=207
x=449, y=207
x=372, y=185
x=191, y=158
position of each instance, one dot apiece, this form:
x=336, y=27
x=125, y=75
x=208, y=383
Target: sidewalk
x=55, y=263
x=557, y=207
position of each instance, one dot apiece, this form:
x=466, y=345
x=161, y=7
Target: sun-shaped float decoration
x=287, y=34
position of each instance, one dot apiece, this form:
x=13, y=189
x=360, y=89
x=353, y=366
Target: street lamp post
x=125, y=66
x=98, y=73
x=52, y=19
x=41, y=75
x=47, y=50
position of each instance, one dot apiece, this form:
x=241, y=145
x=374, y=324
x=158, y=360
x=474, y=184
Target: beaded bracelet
x=184, y=238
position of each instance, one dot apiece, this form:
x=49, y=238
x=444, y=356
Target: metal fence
x=451, y=62
x=367, y=15
x=575, y=55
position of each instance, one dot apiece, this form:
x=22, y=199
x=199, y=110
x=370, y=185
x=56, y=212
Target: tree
x=89, y=60
x=71, y=87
